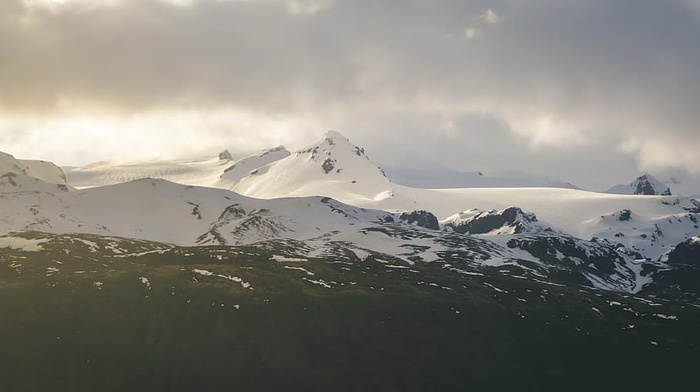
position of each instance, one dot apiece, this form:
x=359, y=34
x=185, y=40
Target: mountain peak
x=334, y=135
x=332, y=166
x=330, y=148
x=646, y=184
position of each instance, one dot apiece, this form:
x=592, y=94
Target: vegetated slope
x=120, y=314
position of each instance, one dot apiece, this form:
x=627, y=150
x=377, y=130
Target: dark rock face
x=625, y=215
x=567, y=250
x=489, y=221
x=328, y=165
x=682, y=279
x=422, y=219
x=10, y=177
x=225, y=155
x=685, y=253
x=645, y=187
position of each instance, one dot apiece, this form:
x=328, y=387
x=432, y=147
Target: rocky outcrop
x=511, y=220
x=421, y=218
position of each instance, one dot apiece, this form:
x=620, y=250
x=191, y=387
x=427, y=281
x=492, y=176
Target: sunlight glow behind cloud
x=538, y=77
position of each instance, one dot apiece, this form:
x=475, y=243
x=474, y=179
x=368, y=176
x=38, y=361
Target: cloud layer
x=557, y=86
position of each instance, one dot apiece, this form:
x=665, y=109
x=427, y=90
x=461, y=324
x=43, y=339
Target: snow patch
x=300, y=269
x=666, y=317
x=23, y=244
x=284, y=259
x=319, y=282
x=145, y=282
x=235, y=279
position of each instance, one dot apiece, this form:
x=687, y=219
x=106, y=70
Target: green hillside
x=105, y=314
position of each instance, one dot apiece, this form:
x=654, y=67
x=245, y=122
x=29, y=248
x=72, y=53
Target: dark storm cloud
x=593, y=76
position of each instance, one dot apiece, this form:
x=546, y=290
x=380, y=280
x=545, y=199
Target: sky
x=588, y=91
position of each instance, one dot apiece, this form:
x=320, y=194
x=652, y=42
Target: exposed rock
x=686, y=253
x=328, y=165
x=645, y=184
x=561, y=249
x=625, y=215
x=512, y=218
x=422, y=219
x=225, y=155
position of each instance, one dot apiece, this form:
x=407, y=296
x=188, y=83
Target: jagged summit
x=646, y=184
x=334, y=143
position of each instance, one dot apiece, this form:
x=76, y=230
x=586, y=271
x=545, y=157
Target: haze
x=588, y=91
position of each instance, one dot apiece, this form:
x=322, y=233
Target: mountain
x=24, y=175
x=331, y=167
x=337, y=283
x=165, y=212
x=334, y=167
x=244, y=166
x=646, y=184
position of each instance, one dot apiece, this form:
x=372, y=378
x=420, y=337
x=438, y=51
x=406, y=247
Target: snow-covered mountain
x=646, y=184
x=330, y=199
x=334, y=167
x=657, y=225
x=331, y=167
x=165, y=212
x=24, y=175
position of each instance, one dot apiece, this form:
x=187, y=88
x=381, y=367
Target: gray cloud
x=545, y=83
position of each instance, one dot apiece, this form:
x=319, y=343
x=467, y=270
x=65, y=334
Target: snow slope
x=204, y=172
x=158, y=210
x=331, y=167
x=219, y=172
x=19, y=175
x=429, y=178
x=243, y=167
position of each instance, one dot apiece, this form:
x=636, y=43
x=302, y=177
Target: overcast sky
x=587, y=91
